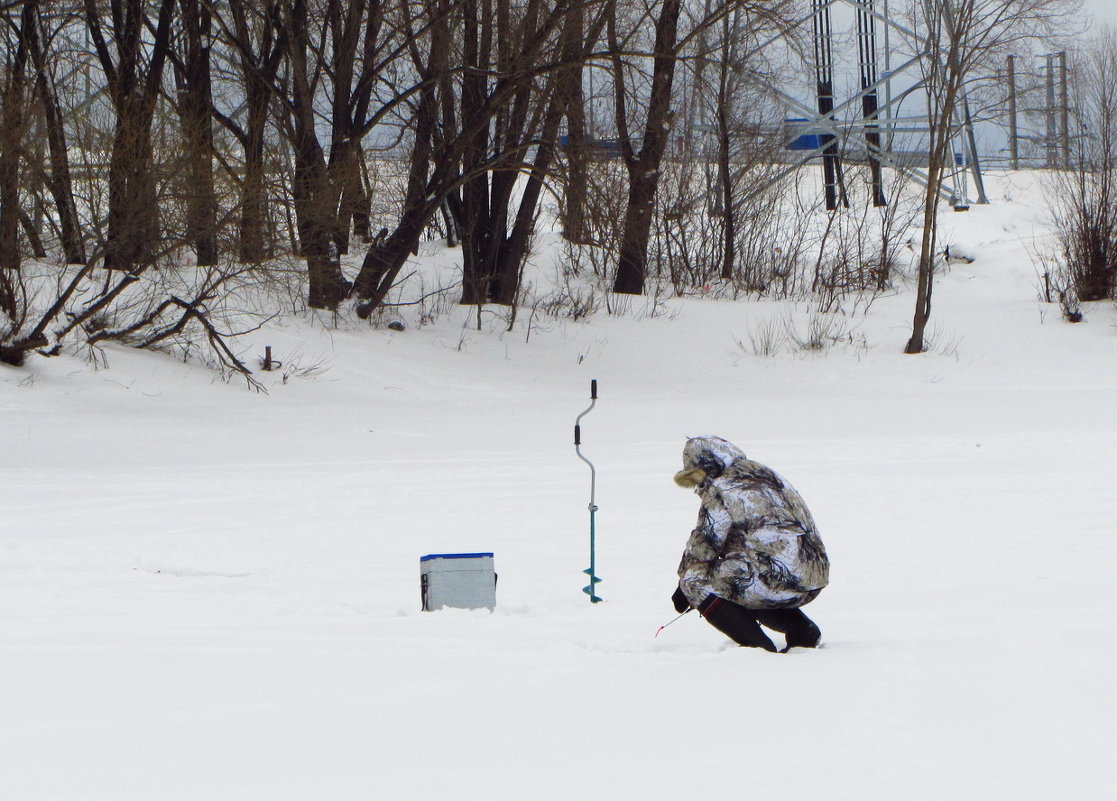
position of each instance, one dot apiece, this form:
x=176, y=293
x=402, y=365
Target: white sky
x=1102, y=11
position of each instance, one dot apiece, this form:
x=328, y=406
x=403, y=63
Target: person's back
x=755, y=547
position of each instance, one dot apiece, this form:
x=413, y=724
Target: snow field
x=208, y=593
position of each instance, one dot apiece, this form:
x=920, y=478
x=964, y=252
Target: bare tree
x=131, y=47
x=193, y=99
x=643, y=164
x=17, y=25
x=518, y=146
x=644, y=129
x=500, y=87
x=363, y=46
x=731, y=73
x=335, y=55
x=427, y=36
x=964, y=39
x=59, y=179
x=250, y=32
x=576, y=49
x=316, y=197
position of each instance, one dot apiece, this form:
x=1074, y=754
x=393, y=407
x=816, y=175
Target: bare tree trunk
x=476, y=223
x=946, y=76
x=514, y=253
x=59, y=180
x=259, y=48
x=314, y=210
x=725, y=165
x=252, y=228
x=196, y=111
x=12, y=115
x=386, y=258
x=926, y=273
x=345, y=171
x=31, y=231
x=315, y=204
x=354, y=199
x=316, y=196
x=133, y=208
x=343, y=22
x=643, y=168
x=518, y=243
x=571, y=95
x=632, y=258
x=133, y=88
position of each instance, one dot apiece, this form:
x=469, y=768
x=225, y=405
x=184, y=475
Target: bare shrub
x=859, y=247
x=1058, y=286
x=765, y=338
x=817, y=334
x=1083, y=198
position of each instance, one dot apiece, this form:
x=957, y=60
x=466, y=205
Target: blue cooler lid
x=430, y=556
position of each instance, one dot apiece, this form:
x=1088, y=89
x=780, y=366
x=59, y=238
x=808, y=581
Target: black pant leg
x=800, y=630
x=736, y=622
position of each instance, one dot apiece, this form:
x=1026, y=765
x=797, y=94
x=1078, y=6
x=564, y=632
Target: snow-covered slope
x=210, y=593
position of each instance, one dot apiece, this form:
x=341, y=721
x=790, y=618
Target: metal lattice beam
x=838, y=128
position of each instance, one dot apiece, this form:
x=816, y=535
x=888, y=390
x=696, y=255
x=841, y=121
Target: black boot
x=800, y=630
x=736, y=622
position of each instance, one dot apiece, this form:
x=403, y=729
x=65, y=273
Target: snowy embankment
x=209, y=593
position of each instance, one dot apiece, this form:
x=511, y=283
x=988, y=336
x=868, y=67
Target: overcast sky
x=1102, y=11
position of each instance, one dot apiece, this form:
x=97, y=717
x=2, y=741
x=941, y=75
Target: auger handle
x=593, y=402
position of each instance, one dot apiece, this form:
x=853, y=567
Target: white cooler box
x=462, y=580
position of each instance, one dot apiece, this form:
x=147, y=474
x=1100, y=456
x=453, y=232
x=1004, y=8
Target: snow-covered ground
x=211, y=593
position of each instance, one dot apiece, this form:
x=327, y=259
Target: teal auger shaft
x=591, y=588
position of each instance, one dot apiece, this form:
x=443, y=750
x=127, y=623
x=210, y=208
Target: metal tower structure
x=867, y=66
x=824, y=94
x=858, y=122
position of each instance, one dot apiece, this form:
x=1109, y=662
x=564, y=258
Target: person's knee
x=739, y=624
x=804, y=635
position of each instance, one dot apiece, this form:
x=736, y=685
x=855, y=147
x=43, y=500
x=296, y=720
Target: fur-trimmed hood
x=706, y=457
x=755, y=543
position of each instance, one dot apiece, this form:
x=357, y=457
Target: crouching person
x=755, y=557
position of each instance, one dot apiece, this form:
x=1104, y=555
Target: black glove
x=680, y=601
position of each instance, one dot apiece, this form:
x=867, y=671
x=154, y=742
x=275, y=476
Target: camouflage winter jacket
x=755, y=543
